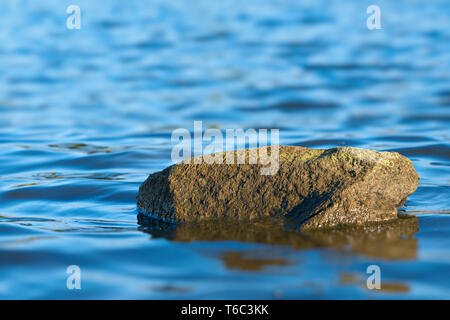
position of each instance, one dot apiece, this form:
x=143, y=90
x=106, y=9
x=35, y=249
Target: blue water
x=86, y=115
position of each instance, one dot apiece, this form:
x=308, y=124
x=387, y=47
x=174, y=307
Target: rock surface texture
x=316, y=188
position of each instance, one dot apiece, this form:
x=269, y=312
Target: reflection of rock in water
x=252, y=260
x=361, y=280
x=389, y=240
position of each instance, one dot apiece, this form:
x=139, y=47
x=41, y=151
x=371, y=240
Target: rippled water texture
x=86, y=115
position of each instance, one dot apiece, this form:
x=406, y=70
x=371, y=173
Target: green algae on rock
x=316, y=188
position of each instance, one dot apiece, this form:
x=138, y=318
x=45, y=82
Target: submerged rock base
x=316, y=188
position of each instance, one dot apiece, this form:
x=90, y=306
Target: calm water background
x=86, y=115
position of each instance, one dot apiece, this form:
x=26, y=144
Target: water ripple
x=86, y=115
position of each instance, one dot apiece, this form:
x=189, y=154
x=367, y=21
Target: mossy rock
x=315, y=187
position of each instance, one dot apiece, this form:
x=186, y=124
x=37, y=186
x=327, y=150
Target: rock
x=316, y=188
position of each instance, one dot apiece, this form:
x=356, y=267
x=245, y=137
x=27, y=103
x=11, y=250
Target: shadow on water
x=392, y=240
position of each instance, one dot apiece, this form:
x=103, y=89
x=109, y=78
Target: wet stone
x=316, y=188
